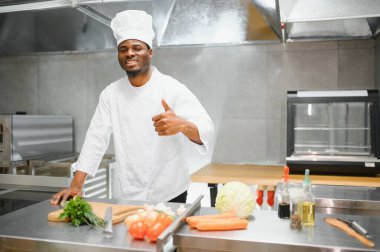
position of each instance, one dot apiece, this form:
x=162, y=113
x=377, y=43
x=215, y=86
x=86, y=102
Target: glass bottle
x=296, y=199
x=308, y=204
x=270, y=196
x=284, y=197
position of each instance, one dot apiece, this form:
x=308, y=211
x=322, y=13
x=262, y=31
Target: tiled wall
x=242, y=87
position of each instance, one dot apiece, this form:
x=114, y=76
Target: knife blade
x=357, y=227
x=108, y=232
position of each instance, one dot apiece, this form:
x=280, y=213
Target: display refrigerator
x=333, y=132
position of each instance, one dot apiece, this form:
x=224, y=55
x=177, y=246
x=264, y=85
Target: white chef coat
x=148, y=167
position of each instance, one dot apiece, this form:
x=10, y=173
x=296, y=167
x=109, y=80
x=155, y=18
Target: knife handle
x=363, y=239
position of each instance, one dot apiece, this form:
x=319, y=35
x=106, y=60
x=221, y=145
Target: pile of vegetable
x=216, y=222
x=235, y=202
x=236, y=198
x=80, y=212
x=148, y=223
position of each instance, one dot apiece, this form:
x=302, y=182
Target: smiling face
x=134, y=57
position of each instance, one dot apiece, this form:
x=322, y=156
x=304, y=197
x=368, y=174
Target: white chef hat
x=133, y=24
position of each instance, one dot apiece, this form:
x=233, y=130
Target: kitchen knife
x=348, y=230
x=357, y=227
x=108, y=232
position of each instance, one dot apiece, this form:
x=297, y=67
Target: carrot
x=212, y=216
x=222, y=225
x=194, y=222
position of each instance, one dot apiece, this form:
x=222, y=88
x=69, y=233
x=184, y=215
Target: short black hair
x=140, y=40
x=147, y=45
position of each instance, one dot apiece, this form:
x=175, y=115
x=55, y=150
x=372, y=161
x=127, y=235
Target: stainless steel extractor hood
x=189, y=22
x=316, y=20
x=83, y=25
x=69, y=25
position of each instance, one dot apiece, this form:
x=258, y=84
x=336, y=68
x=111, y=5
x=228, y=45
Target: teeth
x=131, y=62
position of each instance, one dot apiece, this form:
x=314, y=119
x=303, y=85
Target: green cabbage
x=235, y=197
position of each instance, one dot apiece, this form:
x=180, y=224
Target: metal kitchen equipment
x=36, y=155
x=19, y=191
x=183, y=22
x=86, y=26
x=30, y=137
x=333, y=132
x=99, y=186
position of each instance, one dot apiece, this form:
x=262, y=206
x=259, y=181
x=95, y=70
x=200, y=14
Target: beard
x=133, y=73
x=142, y=70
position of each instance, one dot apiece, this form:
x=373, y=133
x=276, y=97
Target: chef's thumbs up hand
x=168, y=123
x=165, y=105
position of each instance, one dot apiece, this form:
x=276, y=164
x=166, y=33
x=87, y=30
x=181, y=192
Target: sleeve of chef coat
x=97, y=137
x=189, y=108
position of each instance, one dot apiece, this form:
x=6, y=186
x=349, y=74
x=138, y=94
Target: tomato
x=132, y=219
x=142, y=213
x=155, y=231
x=164, y=219
x=150, y=218
x=138, y=230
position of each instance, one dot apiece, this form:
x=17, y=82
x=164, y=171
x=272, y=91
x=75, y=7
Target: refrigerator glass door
x=332, y=129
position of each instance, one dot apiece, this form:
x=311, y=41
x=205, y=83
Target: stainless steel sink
x=13, y=200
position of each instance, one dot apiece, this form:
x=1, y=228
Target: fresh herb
x=80, y=212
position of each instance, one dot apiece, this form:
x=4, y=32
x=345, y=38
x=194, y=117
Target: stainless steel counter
x=266, y=232
x=28, y=229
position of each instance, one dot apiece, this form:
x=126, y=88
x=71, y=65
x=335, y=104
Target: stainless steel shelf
x=329, y=128
x=339, y=157
x=332, y=146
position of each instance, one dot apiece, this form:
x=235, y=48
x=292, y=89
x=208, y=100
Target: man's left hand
x=168, y=123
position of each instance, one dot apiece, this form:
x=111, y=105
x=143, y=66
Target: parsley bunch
x=80, y=212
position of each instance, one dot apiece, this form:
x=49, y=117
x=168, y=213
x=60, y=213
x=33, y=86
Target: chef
x=149, y=114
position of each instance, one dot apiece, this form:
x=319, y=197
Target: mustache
x=126, y=59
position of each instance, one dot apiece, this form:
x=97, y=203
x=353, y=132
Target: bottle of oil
x=284, y=197
x=308, y=204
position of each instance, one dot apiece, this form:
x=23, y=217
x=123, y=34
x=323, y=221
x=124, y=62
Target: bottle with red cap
x=284, y=196
x=259, y=196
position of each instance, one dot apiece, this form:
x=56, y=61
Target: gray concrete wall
x=377, y=62
x=242, y=87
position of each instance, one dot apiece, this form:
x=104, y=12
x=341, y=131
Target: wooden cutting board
x=119, y=212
